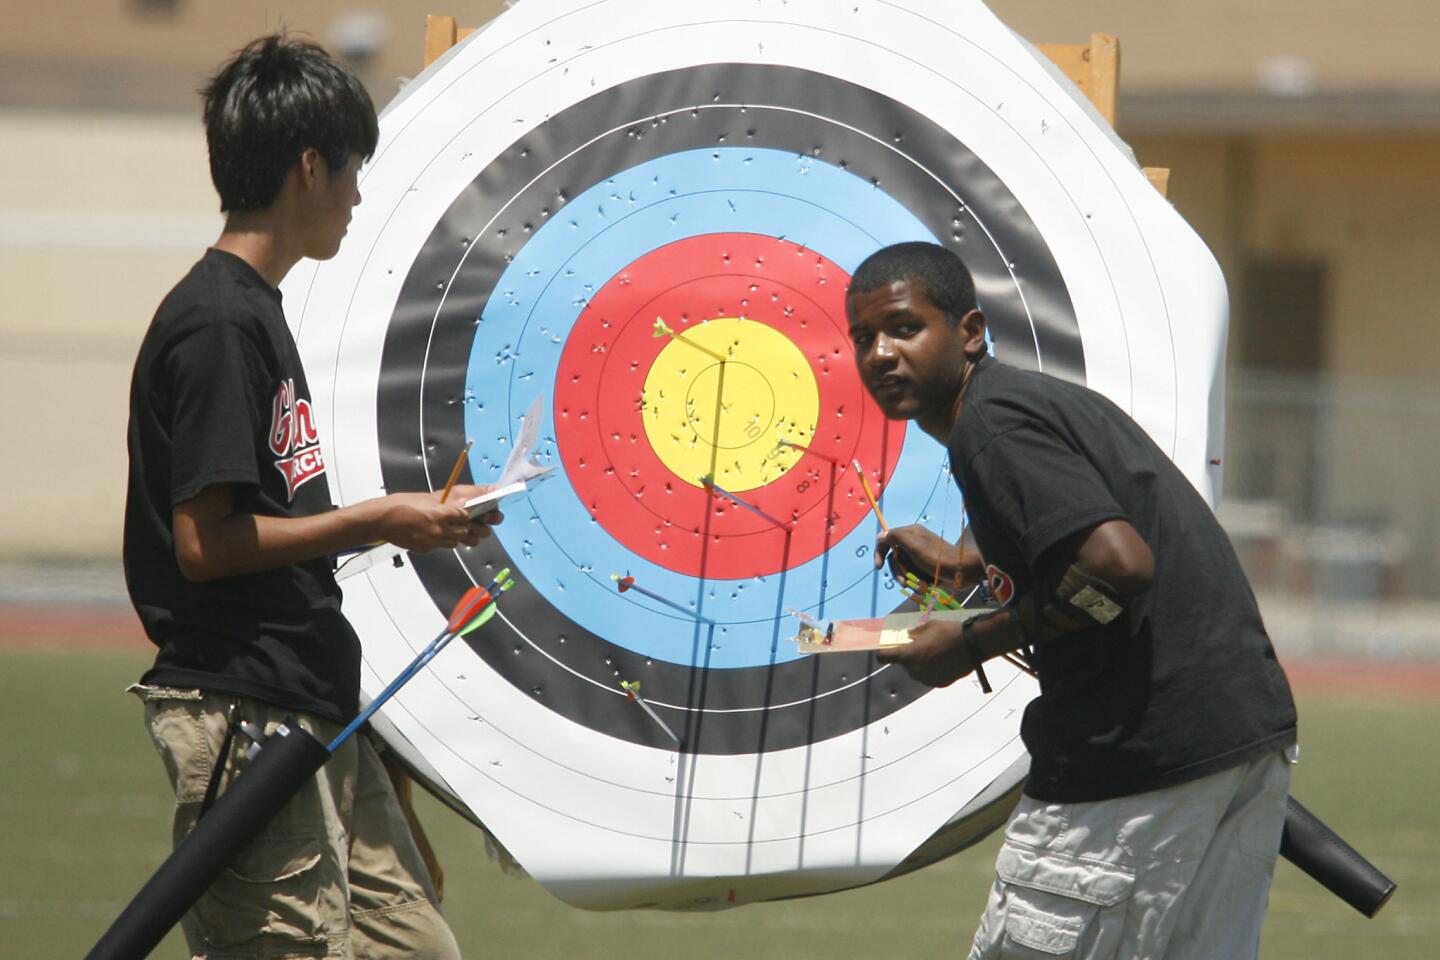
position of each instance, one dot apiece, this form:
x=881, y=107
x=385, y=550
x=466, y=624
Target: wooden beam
x=440, y=35
x=1103, y=80
x=1159, y=178
x=1094, y=67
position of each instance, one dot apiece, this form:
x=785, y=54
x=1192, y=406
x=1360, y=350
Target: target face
x=575, y=206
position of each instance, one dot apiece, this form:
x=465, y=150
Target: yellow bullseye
x=705, y=417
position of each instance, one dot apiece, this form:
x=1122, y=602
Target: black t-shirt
x=219, y=396
x=1185, y=683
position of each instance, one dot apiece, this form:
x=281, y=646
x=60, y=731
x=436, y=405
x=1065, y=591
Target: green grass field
x=84, y=810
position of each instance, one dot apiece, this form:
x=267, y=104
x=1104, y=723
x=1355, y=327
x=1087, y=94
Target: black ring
x=570, y=670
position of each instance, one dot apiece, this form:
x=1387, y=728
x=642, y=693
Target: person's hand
x=420, y=522
x=464, y=492
x=918, y=550
x=935, y=654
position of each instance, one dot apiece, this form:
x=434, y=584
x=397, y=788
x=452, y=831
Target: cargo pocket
x=1058, y=906
x=177, y=730
x=272, y=890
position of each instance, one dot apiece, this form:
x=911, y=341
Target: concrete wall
x=1344, y=454
x=1367, y=207
x=99, y=216
x=156, y=51
x=1227, y=44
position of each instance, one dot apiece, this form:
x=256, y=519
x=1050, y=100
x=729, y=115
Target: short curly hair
x=940, y=272
x=268, y=104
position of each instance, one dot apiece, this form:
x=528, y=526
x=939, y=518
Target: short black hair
x=939, y=271
x=272, y=101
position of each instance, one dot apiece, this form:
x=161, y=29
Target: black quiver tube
x=1337, y=866
x=288, y=758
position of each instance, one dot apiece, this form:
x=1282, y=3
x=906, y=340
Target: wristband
x=972, y=650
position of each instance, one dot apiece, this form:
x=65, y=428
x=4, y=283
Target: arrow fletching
x=480, y=620
x=486, y=609
x=470, y=604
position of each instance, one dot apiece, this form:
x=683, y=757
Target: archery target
x=540, y=200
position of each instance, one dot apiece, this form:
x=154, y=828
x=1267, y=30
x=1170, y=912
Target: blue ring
x=573, y=254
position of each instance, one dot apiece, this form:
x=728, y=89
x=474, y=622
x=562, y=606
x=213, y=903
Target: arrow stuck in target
x=708, y=482
x=627, y=582
x=632, y=692
x=810, y=450
x=662, y=329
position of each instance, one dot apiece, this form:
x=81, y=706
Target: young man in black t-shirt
x=229, y=528
x=1152, y=814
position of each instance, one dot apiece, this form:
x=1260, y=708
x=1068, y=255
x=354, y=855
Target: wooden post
x=1102, y=81
x=1159, y=178
x=405, y=794
x=1093, y=67
x=442, y=33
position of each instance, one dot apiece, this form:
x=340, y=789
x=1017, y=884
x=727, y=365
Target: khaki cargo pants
x=335, y=874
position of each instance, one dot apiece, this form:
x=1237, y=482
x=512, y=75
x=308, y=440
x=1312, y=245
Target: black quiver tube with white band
x=1337, y=866
x=287, y=759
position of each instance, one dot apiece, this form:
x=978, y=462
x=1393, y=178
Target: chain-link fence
x=1332, y=502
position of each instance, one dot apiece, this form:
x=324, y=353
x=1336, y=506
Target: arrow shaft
x=430, y=652
x=667, y=602
x=741, y=503
x=654, y=716
x=812, y=451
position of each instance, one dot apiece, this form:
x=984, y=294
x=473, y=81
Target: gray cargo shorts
x=1182, y=872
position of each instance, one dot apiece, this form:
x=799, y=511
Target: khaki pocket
x=1056, y=904
x=177, y=729
x=273, y=889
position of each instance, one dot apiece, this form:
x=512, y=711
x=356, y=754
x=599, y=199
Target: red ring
x=603, y=444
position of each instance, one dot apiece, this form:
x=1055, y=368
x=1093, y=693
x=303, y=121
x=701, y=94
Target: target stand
x=646, y=216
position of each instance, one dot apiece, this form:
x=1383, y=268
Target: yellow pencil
x=865, y=486
x=455, y=471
